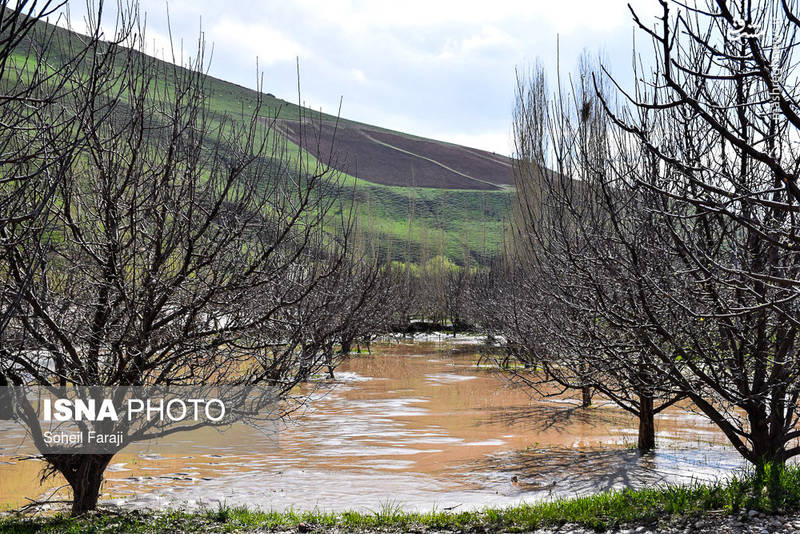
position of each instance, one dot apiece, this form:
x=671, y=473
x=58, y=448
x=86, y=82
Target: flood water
x=419, y=425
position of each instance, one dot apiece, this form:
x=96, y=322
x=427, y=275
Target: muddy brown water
x=419, y=425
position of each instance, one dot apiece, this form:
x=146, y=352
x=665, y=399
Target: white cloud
x=563, y=15
x=487, y=39
x=251, y=40
x=568, y=16
x=359, y=75
x=498, y=141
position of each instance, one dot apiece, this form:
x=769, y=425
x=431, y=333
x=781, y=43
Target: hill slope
x=416, y=198
x=390, y=158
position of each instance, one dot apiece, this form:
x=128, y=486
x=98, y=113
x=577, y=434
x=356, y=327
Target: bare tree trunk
x=329, y=361
x=767, y=454
x=84, y=473
x=769, y=460
x=6, y=408
x=647, y=425
x=347, y=344
x=586, y=396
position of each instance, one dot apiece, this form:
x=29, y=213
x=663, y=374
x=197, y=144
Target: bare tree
x=456, y=280
x=575, y=231
x=356, y=306
x=717, y=121
x=183, y=247
x=671, y=241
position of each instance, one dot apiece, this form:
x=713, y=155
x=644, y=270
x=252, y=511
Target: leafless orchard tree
x=456, y=281
x=558, y=300
x=358, y=306
x=672, y=240
x=183, y=246
x=718, y=123
x=435, y=294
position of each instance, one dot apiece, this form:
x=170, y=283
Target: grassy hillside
x=416, y=197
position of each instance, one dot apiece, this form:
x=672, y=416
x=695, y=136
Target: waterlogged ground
x=419, y=425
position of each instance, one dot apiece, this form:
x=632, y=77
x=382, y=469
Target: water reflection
x=555, y=417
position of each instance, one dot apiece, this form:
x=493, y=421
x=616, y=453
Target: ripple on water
x=447, y=378
x=485, y=443
x=118, y=467
x=390, y=407
x=366, y=450
x=363, y=443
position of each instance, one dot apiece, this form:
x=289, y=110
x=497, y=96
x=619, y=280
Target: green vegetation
x=446, y=221
x=777, y=490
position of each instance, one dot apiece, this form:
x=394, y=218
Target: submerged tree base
x=737, y=501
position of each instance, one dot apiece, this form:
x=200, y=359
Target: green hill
x=415, y=197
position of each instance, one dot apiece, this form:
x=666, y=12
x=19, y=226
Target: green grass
x=781, y=493
x=453, y=223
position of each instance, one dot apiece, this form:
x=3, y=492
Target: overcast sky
x=440, y=69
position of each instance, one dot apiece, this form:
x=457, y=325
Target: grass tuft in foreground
x=776, y=490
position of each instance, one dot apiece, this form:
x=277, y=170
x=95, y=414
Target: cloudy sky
x=437, y=68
